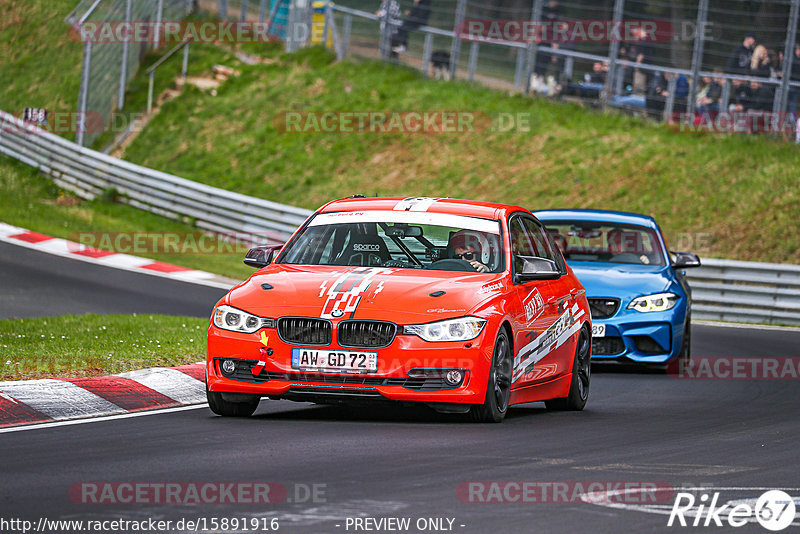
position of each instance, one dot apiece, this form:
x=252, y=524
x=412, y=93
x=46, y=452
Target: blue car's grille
x=603, y=308
x=607, y=346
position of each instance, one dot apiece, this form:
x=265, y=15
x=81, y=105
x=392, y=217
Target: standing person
x=739, y=62
x=416, y=17
x=389, y=15
x=760, y=63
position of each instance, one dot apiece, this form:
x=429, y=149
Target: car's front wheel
x=581, y=376
x=244, y=406
x=498, y=389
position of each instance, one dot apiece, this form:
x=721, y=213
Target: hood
x=621, y=280
x=339, y=292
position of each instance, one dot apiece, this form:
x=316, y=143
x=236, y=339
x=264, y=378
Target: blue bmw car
x=637, y=290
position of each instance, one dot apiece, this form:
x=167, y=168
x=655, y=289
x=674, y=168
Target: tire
x=581, y=377
x=498, y=387
x=226, y=408
x=685, y=355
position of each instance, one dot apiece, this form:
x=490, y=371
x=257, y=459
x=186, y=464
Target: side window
x=521, y=243
x=545, y=248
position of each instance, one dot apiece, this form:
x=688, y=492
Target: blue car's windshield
x=606, y=242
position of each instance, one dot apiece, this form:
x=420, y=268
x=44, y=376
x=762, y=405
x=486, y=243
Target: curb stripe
x=124, y=392
x=58, y=399
x=196, y=371
x=165, y=267
x=174, y=384
x=15, y=413
x=31, y=237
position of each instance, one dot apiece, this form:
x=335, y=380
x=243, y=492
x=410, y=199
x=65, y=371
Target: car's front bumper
x=397, y=378
x=633, y=336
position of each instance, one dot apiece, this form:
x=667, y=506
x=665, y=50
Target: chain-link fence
x=118, y=34
x=109, y=62
x=727, y=65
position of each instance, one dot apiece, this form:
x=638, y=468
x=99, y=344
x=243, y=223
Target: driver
x=622, y=244
x=466, y=245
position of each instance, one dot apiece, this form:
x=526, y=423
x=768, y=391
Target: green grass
x=40, y=63
x=724, y=196
x=32, y=201
x=94, y=345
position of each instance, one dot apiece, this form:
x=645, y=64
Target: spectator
x=416, y=17
x=761, y=97
x=741, y=97
x=708, y=97
x=739, y=62
x=592, y=83
x=795, y=77
x=640, y=52
x=544, y=60
x=389, y=13
x=659, y=92
x=760, y=63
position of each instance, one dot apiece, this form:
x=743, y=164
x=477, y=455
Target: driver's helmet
x=471, y=240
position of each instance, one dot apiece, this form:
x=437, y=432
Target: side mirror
x=685, y=260
x=261, y=256
x=536, y=268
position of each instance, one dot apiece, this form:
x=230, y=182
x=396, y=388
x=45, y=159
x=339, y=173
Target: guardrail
x=89, y=173
x=746, y=292
x=724, y=290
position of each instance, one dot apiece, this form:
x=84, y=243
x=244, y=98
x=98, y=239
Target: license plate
x=598, y=330
x=333, y=360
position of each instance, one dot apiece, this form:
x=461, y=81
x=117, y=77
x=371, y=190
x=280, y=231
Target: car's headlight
x=654, y=303
x=461, y=329
x=230, y=318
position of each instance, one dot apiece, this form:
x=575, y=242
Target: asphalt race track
x=36, y=284
x=641, y=427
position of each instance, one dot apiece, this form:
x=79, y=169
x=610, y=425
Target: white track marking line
x=174, y=384
x=39, y=426
x=58, y=399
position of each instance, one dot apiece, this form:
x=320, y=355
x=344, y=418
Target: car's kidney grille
x=365, y=334
x=305, y=330
x=603, y=308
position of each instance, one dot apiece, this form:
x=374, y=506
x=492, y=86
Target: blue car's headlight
x=461, y=329
x=654, y=303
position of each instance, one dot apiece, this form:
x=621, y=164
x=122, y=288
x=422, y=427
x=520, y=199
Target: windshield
x=606, y=242
x=401, y=239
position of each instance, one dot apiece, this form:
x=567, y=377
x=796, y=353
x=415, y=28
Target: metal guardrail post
x=262, y=10
x=346, y=30
x=326, y=24
x=613, y=52
x=222, y=7
x=427, y=50
x=519, y=70
x=473, y=60
x=533, y=46
x=384, y=41
x=243, y=11
x=697, y=52
x=185, y=66
x=782, y=94
x=83, y=99
x=150, y=88
x=123, y=68
x=455, y=50
x=669, y=105
x=159, y=18
x=725, y=97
